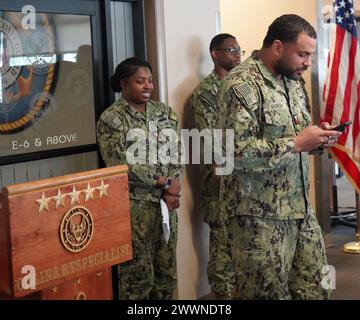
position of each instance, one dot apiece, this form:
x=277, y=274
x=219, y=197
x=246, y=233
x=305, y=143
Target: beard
x=283, y=69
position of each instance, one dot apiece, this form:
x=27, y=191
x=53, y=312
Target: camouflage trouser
x=279, y=259
x=151, y=274
x=220, y=265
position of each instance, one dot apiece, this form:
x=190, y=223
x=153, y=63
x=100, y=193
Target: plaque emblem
x=76, y=229
x=11, y=47
x=27, y=69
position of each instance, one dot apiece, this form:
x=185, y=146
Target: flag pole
x=354, y=247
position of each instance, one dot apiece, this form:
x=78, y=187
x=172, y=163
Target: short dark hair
x=126, y=69
x=286, y=28
x=217, y=41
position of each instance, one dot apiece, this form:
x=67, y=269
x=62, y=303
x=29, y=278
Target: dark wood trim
x=108, y=53
x=47, y=154
x=139, y=29
x=100, y=60
x=151, y=44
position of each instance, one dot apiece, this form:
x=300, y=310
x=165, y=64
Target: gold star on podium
x=59, y=199
x=89, y=192
x=102, y=189
x=43, y=203
x=74, y=195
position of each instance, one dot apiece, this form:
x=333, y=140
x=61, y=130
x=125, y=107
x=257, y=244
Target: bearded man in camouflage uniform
x=225, y=53
x=277, y=243
x=151, y=274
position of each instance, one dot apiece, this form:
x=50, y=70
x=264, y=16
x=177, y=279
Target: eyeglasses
x=233, y=51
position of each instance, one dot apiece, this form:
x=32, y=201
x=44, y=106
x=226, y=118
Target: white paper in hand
x=165, y=220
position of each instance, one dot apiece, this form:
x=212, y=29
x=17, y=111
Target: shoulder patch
x=243, y=91
x=112, y=120
x=209, y=96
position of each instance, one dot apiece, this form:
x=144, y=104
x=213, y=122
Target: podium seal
x=76, y=229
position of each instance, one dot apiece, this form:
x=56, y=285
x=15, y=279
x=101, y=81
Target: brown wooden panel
x=37, y=211
x=5, y=258
x=94, y=286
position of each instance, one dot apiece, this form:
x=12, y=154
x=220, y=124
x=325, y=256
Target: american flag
x=341, y=96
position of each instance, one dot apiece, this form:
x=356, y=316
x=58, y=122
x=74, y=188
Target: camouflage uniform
x=152, y=272
x=276, y=240
x=220, y=276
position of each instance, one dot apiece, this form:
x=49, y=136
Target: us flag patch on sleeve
x=244, y=92
x=112, y=120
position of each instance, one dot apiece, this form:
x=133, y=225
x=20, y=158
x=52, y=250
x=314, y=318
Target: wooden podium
x=60, y=236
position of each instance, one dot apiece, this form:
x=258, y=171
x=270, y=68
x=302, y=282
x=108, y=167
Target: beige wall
x=249, y=20
x=184, y=30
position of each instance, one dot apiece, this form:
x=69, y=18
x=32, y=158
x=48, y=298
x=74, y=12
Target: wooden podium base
x=59, y=237
x=93, y=286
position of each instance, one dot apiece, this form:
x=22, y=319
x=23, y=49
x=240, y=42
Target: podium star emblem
x=102, y=189
x=43, y=203
x=89, y=193
x=59, y=199
x=74, y=195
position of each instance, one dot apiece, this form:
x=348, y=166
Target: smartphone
x=341, y=127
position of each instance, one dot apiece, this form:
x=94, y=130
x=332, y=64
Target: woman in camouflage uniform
x=152, y=272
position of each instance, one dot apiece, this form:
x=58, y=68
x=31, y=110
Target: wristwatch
x=167, y=184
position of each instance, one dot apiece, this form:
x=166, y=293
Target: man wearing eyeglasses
x=226, y=54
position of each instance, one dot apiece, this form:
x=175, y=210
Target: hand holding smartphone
x=341, y=127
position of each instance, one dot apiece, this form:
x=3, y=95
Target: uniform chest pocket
x=166, y=131
x=136, y=141
x=277, y=120
x=165, y=124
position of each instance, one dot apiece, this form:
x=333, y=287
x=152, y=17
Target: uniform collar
x=214, y=76
x=269, y=76
x=136, y=114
